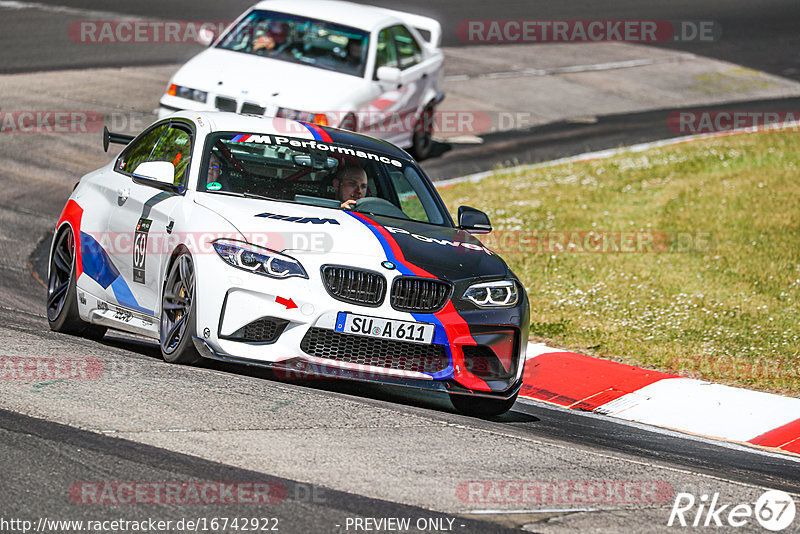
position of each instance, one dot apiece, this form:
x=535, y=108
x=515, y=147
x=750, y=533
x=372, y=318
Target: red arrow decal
x=289, y=303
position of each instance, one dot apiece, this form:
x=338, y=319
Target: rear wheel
x=62, y=299
x=422, y=140
x=178, y=313
x=481, y=406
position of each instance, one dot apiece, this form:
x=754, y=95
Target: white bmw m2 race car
x=358, y=67
x=311, y=250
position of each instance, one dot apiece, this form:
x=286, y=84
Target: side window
x=175, y=146
x=137, y=153
x=386, y=56
x=408, y=50
x=409, y=201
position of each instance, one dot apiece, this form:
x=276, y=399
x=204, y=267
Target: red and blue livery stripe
x=451, y=330
x=318, y=133
x=93, y=261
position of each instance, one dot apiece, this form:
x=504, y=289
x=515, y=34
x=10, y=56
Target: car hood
x=266, y=81
x=300, y=230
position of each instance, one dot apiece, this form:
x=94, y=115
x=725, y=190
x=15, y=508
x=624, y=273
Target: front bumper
x=303, y=369
x=226, y=309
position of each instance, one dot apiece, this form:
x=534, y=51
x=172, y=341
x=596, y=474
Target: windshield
x=300, y=40
x=310, y=172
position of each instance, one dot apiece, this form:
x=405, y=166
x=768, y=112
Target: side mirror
x=473, y=221
x=206, y=36
x=388, y=74
x=161, y=172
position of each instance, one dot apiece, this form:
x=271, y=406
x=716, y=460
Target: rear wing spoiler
x=110, y=137
x=429, y=29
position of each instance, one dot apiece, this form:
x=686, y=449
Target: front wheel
x=481, y=406
x=62, y=300
x=178, y=313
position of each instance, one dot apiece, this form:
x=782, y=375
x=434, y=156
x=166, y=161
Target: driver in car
x=275, y=36
x=350, y=184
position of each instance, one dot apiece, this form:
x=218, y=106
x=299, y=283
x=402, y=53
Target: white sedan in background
x=333, y=63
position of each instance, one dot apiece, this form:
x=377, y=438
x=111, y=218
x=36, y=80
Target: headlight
x=305, y=116
x=186, y=92
x=258, y=260
x=502, y=293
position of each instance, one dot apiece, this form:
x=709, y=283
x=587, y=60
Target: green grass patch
x=684, y=259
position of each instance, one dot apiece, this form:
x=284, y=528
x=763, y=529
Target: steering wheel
x=379, y=206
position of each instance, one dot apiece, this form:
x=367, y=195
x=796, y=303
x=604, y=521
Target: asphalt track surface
x=41, y=458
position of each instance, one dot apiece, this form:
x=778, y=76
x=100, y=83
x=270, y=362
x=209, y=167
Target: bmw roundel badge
x=387, y=264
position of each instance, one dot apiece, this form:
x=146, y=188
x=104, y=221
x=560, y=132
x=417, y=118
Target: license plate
x=349, y=323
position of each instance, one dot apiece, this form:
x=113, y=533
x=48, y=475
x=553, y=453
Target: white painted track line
x=703, y=408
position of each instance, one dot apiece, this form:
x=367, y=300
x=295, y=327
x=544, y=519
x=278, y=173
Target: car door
x=414, y=69
x=392, y=112
x=143, y=219
x=386, y=99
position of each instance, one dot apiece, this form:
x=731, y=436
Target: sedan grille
x=384, y=353
x=226, y=104
x=254, y=109
x=419, y=294
x=355, y=286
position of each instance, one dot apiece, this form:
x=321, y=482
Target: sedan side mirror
x=206, y=36
x=160, y=172
x=473, y=221
x=389, y=74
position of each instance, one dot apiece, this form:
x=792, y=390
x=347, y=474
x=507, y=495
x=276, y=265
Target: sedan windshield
x=321, y=174
x=300, y=40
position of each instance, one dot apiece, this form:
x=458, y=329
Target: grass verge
x=684, y=259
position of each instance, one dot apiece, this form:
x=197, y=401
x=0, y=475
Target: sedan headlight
x=502, y=293
x=258, y=260
x=188, y=93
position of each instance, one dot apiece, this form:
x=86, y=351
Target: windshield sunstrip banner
x=312, y=144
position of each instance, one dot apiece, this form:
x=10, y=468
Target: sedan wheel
x=422, y=141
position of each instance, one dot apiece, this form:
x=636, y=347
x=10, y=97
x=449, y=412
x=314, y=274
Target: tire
x=422, y=140
x=178, y=313
x=481, y=406
x=62, y=294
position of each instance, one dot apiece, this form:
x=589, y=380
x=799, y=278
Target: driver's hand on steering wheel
x=349, y=204
x=264, y=42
